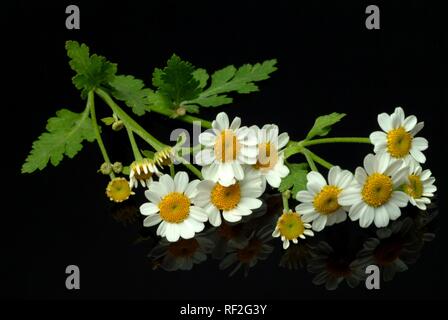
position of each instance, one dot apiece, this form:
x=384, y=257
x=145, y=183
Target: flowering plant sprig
x=233, y=164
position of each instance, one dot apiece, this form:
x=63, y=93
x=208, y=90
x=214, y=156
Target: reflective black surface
x=328, y=62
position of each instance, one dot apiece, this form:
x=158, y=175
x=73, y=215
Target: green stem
x=91, y=106
x=309, y=159
x=186, y=118
x=135, y=150
x=318, y=159
x=172, y=172
x=129, y=122
x=285, y=197
x=307, y=143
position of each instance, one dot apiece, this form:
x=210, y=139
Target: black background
x=328, y=61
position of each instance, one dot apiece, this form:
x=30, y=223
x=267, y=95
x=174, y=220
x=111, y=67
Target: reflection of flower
x=125, y=213
x=226, y=236
x=248, y=256
x=396, y=247
x=332, y=268
x=296, y=256
x=183, y=254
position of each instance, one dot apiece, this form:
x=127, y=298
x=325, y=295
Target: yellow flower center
x=118, y=190
x=184, y=247
x=377, y=189
x=326, y=201
x=399, y=142
x=174, y=207
x=415, y=187
x=226, y=146
x=226, y=198
x=290, y=225
x=267, y=156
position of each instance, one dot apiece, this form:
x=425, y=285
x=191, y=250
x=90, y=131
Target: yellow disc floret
x=226, y=146
x=399, y=142
x=118, y=190
x=377, y=189
x=226, y=198
x=174, y=207
x=326, y=201
x=290, y=225
x=415, y=187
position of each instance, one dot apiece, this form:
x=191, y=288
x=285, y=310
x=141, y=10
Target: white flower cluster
x=238, y=161
x=237, y=164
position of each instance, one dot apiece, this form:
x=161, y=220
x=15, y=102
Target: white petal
x=251, y=203
x=222, y=121
x=344, y=179
x=283, y=140
x=393, y=210
x=418, y=155
x=205, y=157
x=399, y=198
x=319, y=223
x=367, y=217
x=360, y=175
x=235, y=123
x=357, y=210
x=400, y=177
x=180, y=181
x=240, y=211
x=167, y=183
x=409, y=123
x=378, y=137
x=273, y=179
x=192, y=189
x=420, y=143
x=186, y=231
x=207, y=139
x=419, y=126
x=197, y=226
x=333, y=174
x=238, y=170
x=148, y=208
x=161, y=229
x=172, y=232
x=214, y=216
x=304, y=196
x=316, y=179
x=211, y=172
x=225, y=174
x=305, y=208
x=230, y=217
x=349, y=196
x=385, y=122
x=151, y=220
x=198, y=213
x=369, y=163
x=381, y=217
x=152, y=196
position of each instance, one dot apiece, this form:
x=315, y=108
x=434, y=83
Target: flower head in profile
x=171, y=206
x=233, y=201
x=398, y=139
x=270, y=161
x=290, y=227
x=227, y=147
x=419, y=186
x=320, y=202
x=118, y=190
x=142, y=171
x=375, y=195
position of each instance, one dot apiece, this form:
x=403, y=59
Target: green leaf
x=65, y=135
x=108, y=121
x=91, y=70
x=322, y=125
x=176, y=80
x=296, y=179
x=231, y=79
x=201, y=75
x=159, y=101
x=133, y=92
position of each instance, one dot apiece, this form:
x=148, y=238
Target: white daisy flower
x=290, y=227
x=398, y=140
x=170, y=204
x=419, y=186
x=227, y=148
x=270, y=160
x=233, y=201
x=374, y=197
x=320, y=202
x=142, y=171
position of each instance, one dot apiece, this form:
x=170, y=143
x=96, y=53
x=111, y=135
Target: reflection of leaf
x=296, y=179
x=322, y=125
x=65, y=135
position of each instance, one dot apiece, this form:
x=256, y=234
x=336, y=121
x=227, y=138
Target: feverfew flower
x=227, y=148
x=320, y=202
x=419, y=186
x=290, y=227
x=398, y=140
x=374, y=195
